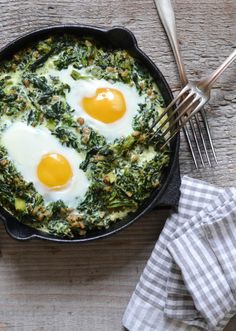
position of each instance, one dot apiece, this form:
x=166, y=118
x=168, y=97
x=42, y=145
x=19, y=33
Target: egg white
x=82, y=88
x=26, y=146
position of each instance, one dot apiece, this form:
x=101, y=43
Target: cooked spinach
x=121, y=174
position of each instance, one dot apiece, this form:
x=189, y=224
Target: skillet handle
x=14, y=228
x=122, y=37
x=171, y=196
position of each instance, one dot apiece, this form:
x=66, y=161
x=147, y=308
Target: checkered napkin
x=189, y=282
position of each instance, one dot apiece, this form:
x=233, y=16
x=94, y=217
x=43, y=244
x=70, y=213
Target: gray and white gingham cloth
x=189, y=282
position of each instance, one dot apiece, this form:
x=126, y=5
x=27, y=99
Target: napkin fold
x=189, y=282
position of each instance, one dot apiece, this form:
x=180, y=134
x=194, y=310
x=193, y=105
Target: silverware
x=167, y=17
x=189, y=102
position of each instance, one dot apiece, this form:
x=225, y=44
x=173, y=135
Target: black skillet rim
x=128, y=41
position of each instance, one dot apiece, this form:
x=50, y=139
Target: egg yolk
x=54, y=171
x=107, y=106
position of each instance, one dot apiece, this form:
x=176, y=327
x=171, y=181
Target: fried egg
x=109, y=108
x=41, y=159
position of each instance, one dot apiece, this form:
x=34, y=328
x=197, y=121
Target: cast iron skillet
x=117, y=37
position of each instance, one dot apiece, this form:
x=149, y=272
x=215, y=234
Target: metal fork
x=167, y=17
x=188, y=103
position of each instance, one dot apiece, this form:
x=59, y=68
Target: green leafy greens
x=122, y=174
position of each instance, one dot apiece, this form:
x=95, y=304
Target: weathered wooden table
x=48, y=287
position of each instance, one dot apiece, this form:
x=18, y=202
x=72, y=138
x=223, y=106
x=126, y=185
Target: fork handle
x=166, y=13
x=206, y=84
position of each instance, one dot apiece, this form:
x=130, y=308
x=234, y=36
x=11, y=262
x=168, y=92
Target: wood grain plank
x=49, y=287
x=70, y=287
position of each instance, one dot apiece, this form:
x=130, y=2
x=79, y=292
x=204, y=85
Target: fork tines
x=188, y=107
x=185, y=108
x=199, y=138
